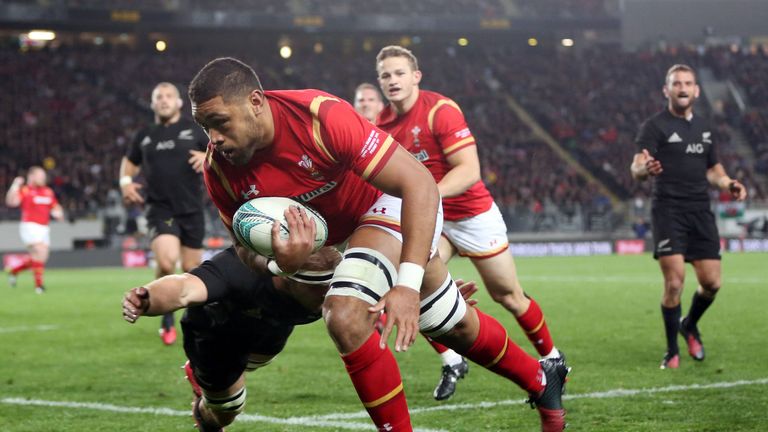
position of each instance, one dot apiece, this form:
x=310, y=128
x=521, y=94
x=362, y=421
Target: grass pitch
x=68, y=362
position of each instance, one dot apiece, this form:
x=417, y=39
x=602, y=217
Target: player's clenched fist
x=135, y=304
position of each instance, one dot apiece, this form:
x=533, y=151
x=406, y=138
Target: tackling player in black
x=171, y=153
x=677, y=148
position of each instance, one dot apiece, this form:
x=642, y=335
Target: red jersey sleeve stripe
x=386, y=150
x=222, y=178
x=433, y=111
x=317, y=134
x=453, y=148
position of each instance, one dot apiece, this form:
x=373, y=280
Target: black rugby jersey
x=686, y=151
x=162, y=152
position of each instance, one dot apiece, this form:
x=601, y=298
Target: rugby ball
x=252, y=223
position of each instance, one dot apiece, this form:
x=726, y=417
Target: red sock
x=532, y=322
x=25, y=263
x=440, y=348
x=376, y=378
x=37, y=270
x=496, y=352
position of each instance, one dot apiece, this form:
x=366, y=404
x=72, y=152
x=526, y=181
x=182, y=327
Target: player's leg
x=166, y=249
x=454, y=367
x=364, y=275
x=191, y=237
x=670, y=239
x=499, y=275
x=483, y=238
x=482, y=339
x=704, y=253
x=39, y=253
x=673, y=269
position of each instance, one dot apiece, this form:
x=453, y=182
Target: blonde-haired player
x=432, y=127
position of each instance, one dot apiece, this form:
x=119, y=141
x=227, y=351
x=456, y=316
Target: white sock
x=552, y=354
x=451, y=358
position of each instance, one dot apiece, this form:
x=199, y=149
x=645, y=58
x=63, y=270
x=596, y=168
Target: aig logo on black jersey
x=165, y=145
x=695, y=148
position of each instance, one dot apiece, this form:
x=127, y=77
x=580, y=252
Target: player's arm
x=164, y=295
x=458, y=145
x=129, y=189
x=464, y=172
x=717, y=177
x=13, y=196
x=57, y=212
x=644, y=164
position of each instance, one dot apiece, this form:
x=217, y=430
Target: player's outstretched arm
x=405, y=177
x=13, y=196
x=717, y=176
x=167, y=294
x=644, y=165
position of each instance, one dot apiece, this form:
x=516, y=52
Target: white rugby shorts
x=481, y=236
x=32, y=233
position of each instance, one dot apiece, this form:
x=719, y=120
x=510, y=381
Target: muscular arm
x=167, y=294
x=405, y=177
x=464, y=172
x=13, y=196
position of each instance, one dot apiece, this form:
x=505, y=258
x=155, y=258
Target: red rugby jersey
x=37, y=203
x=322, y=154
x=433, y=129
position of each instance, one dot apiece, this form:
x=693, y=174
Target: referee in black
x=677, y=149
x=171, y=152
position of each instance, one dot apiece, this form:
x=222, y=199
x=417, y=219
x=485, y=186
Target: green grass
x=603, y=312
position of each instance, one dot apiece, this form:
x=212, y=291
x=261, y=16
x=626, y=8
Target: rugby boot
x=670, y=361
x=692, y=338
x=446, y=387
x=550, y=401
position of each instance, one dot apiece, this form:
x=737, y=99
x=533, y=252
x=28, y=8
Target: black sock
x=167, y=320
x=698, y=306
x=671, y=325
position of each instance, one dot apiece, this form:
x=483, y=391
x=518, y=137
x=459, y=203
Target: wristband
x=125, y=180
x=410, y=275
x=275, y=269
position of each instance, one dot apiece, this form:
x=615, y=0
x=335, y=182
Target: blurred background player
x=38, y=203
x=433, y=129
x=368, y=102
x=171, y=151
x=677, y=148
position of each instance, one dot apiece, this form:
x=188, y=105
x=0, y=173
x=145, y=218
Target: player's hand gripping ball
x=252, y=223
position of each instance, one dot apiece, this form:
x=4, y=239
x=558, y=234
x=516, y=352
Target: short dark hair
x=679, y=68
x=226, y=77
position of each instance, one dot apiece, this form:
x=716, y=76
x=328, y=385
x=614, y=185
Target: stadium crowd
x=76, y=108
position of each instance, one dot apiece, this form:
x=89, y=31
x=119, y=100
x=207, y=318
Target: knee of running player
x=359, y=281
x=710, y=286
x=511, y=296
x=673, y=287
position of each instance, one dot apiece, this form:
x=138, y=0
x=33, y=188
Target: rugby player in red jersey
x=432, y=127
x=38, y=203
x=376, y=198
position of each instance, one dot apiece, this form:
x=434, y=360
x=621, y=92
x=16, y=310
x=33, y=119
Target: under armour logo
x=169, y=222
x=252, y=191
x=383, y=210
x=493, y=242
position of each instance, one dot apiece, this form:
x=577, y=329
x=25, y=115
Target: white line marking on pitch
x=337, y=420
x=251, y=418
x=593, y=395
x=43, y=327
